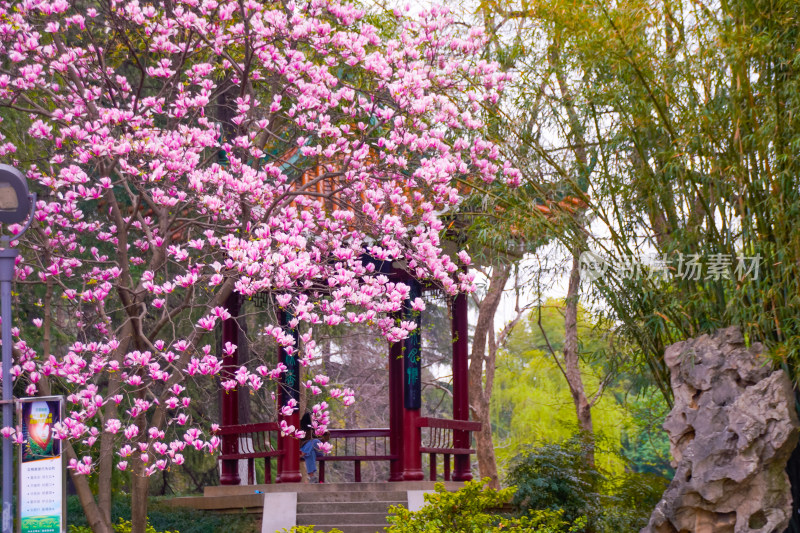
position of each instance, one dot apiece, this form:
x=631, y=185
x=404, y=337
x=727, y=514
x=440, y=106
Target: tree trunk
x=107, y=440
x=94, y=515
x=140, y=488
x=106, y=459
x=487, y=462
x=140, y=483
x=572, y=369
x=97, y=514
x=481, y=372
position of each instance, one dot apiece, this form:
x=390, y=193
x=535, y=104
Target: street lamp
x=16, y=204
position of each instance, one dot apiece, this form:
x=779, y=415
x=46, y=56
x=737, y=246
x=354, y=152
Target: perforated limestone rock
x=732, y=430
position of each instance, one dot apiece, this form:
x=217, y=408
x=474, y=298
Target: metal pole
x=7, y=256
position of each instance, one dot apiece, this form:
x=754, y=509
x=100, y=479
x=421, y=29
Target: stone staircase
x=349, y=507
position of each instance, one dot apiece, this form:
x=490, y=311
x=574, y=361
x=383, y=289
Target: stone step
x=331, y=520
x=349, y=507
x=235, y=490
x=350, y=528
x=354, y=507
x=354, y=496
x=359, y=528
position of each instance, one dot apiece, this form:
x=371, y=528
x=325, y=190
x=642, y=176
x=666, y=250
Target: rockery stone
x=732, y=429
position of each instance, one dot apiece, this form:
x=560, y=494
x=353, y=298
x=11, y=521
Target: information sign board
x=41, y=477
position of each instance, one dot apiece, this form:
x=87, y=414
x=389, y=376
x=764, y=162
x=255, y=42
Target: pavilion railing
x=357, y=445
x=255, y=441
x=439, y=438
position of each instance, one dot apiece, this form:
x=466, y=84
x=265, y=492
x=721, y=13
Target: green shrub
x=123, y=526
x=163, y=517
x=638, y=489
x=558, y=477
x=628, y=501
x=473, y=509
x=120, y=508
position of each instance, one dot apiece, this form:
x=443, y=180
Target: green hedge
x=123, y=526
x=168, y=519
x=475, y=509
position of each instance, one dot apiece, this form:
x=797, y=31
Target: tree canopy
x=185, y=151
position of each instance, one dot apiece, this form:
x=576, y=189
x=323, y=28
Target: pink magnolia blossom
x=155, y=208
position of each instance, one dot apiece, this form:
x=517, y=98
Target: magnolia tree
x=187, y=149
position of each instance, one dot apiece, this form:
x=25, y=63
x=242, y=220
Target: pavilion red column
x=412, y=458
x=412, y=390
x=461, y=439
x=289, y=463
x=229, y=408
x=396, y=410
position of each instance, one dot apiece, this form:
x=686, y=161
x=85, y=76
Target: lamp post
x=16, y=204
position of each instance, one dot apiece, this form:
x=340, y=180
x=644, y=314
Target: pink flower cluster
x=186, y=152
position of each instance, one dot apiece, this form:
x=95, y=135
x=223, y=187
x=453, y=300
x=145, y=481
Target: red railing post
x=229, y=412
x=290, y=463
x=461, y=439
x=412, y=458
x=433, y=466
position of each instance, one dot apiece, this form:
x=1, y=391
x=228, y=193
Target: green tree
x=676, y=124
x=532, y=401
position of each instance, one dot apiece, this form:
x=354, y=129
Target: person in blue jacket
x=311, y=450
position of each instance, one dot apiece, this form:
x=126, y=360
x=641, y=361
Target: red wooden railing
x=357, y=445
x=255, y=441
x=439, y=436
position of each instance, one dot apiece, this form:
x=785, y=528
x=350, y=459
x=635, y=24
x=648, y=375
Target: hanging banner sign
x=41, y=479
